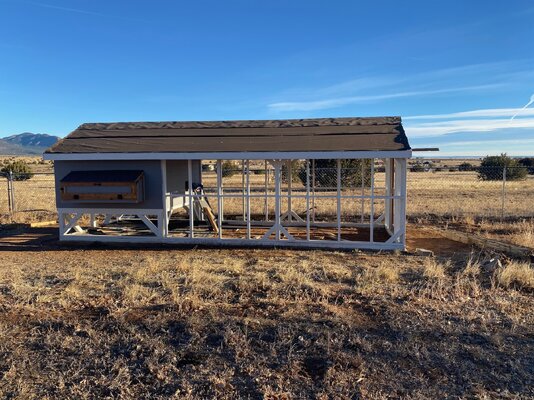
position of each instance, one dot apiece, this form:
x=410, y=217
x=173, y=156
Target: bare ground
x=95, y=322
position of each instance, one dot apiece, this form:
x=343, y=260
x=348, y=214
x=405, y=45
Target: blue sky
x=456, y=71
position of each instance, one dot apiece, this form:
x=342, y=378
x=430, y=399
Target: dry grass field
x=262, y=324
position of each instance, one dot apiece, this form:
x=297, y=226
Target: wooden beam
x=486, y=243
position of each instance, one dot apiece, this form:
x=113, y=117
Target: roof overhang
x=297, y=155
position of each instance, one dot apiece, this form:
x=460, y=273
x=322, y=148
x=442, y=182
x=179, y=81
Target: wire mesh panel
x=34, y=197
x=491, y=192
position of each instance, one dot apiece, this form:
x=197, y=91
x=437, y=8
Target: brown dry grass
x=206, y=323
x=519, y=275
x=517, y=232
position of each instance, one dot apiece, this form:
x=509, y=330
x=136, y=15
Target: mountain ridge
x=26, y=143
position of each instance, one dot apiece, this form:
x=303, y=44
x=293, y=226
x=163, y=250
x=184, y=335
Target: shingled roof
x=294, y=135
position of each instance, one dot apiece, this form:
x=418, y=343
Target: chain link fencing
x=27, y=197
x=478, y=192
x=437, y=193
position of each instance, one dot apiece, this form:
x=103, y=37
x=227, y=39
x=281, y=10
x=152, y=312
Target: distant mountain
x=32, y=139
x=26, y=143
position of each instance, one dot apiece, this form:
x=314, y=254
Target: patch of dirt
x=430, y=239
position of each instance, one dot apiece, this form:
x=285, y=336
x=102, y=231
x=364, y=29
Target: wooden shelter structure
x=327, y=182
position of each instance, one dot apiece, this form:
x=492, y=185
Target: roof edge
x=229, y=155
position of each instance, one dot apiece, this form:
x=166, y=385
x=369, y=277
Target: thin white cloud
x=490, y=112
x=341, y=101
x=79, y=11
x=486, y=142
x=75, y=10
x=425, y=129
x=353, y=91
x=512, y=147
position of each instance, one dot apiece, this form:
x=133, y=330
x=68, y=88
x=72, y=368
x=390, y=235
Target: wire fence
x=438, y=193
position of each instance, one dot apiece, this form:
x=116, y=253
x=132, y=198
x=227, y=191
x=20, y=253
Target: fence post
x=503, y=195
x=8, y=194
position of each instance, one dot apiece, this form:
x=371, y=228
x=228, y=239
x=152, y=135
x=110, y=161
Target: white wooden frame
x=393, y=219
x=69, y=218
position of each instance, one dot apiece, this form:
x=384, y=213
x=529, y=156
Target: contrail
x=526, y=106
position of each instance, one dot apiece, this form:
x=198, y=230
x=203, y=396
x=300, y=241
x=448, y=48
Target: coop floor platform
x=236, y=232
x=25, y=238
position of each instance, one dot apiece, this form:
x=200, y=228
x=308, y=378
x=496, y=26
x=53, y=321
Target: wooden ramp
x=208, y=213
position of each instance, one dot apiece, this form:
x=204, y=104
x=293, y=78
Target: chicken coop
x=328, y=182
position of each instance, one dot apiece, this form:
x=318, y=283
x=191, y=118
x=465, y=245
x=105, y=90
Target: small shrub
x=384, y=273
x=517, y=275
x=387, y=273
x=528, y=163
x=326, y=173
x=418, y=167
x=492, y=169
x=524, y=235
x=433, y=270
x=229, y=168
x=21, y=171
x=465, y=166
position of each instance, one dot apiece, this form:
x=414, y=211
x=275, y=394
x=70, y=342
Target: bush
x=492, y=169
x=465, y=166
x=326, y=173
x=417, y=167
x=229, y=168
x=529, y=163
x=20, y=170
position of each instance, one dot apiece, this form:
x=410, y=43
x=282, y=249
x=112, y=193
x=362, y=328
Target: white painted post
x=313, y=190
x=372, y=213
x=266, y=205
x=338, y=184
x=399, y=212
x=248, y=198
x=222, y=193
x=388, y=202
x=165, y=220
x=307, y=199
x=244, y=208
x=277, y=167
x=404, y=188
x=289, y=190
x=219, y=197
x=362, y=160
x=190, y=188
